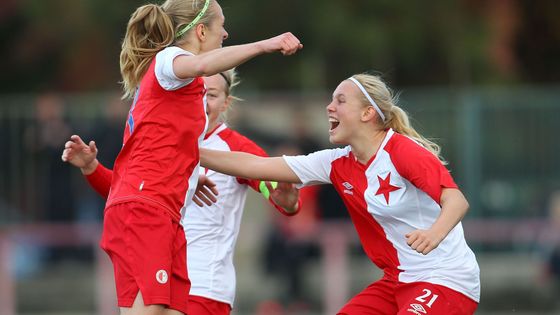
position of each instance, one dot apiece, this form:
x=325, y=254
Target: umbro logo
x=417, y=309
x=348, y=188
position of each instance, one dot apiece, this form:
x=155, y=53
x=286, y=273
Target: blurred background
x=482, y=78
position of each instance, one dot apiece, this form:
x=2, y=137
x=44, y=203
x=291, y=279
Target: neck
x=213, y=125
x=193, y=48
x=366, y=147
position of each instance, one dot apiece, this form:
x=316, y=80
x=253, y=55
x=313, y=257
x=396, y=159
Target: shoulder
x=324, y=156
x=239, y=142
x=404, y=149
x=164, y=68
x=172, y=52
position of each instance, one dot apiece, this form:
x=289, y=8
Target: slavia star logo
x=161, y=276
x=385, y=187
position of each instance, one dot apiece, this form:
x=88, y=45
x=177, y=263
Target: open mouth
x=334, y=123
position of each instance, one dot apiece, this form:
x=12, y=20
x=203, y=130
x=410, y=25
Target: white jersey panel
x=451, y=264
x=164, y=68
x=211, y=233
x=315, y=168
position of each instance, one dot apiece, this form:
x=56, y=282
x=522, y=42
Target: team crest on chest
x=385, y=187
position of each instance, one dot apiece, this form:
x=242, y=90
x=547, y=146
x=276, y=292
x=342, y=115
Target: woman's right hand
x=80, y=154
x=285, y=43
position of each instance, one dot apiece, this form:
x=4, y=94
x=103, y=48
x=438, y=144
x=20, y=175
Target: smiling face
x=217, y=99
x=345, y=112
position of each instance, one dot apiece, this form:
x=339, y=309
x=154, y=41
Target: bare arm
x=241, y=164
x=222, y=59
x=454, y=206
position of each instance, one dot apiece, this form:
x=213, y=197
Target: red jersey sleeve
x=100, y=180
x=419, y=166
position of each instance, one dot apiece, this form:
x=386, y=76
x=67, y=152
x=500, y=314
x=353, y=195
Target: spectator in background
x=51, y=185
x=43, y=138
x=290, y=244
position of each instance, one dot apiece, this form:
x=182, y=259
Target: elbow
x=202, y=69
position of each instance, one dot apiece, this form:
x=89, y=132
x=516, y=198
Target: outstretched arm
x=222, y=59
x=454, y=206
x=246, y=165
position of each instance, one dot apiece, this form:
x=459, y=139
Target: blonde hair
x=150, y=29
x=395, y=117
x=232, y=80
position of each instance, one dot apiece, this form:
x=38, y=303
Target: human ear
x=368, y=113
x=227, y=102
x=200, y=31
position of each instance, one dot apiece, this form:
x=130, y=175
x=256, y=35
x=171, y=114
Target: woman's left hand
x=285, y=195
x=423, y=241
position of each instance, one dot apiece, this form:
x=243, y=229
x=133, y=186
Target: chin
x=334, y=140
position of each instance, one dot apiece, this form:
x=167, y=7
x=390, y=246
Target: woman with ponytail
x=210, y=227
x=402, y=200
x=165, y=52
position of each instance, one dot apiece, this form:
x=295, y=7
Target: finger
x=421, y=247
x=77, y=139
x=197, y=201
x=214, y=190
x=208, y=182
x=415, y=244
x=427, y=250
x=203, y=198
x=208, y=194
x=93, y=147
x=411, y=238
x=67, y=155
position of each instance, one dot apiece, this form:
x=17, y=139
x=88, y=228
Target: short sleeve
x=314, y=168
x=164, y=69
x=419, y=166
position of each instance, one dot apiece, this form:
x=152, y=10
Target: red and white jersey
x=158, y=163
x=396, y=192
x=212, y=230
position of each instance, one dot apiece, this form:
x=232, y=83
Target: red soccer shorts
x=148, y=251
x=199, y=305
x=418, y=298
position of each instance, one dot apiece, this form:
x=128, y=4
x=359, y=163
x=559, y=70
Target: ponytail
x=395, y=117
x=400, y=122
x=149, y=30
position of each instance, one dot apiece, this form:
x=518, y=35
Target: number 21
x=422, y=298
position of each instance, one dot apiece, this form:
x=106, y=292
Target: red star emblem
x=385, y=187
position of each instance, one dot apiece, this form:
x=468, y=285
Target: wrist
x=90, y=168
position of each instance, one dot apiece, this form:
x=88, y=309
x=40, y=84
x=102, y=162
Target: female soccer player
x=211, y=230
x=165, y=52
x=402, y=200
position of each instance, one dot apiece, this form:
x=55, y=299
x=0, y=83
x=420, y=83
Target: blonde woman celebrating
x=403, y=202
